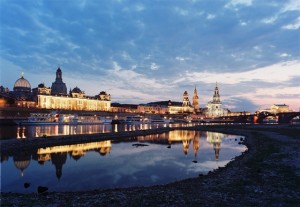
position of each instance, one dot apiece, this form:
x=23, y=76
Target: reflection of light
x=18, y=133
x=76, y=148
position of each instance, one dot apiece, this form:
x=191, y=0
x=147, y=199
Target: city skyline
x=141, y=52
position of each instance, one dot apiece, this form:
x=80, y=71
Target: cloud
x=234, y=3
x=210, y=16
x=292, y=5
x=274, y=74
x=293, y=26
x=154, y=66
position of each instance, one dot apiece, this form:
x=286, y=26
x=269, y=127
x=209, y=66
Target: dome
x=22, y=83
x=102, y=93
x=76, y=90
x=42, y=85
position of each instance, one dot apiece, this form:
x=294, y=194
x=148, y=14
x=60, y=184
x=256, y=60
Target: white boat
x=133, y=119
x=54, y=118
x=42, y=118
x=90, y=119
x=160, y=121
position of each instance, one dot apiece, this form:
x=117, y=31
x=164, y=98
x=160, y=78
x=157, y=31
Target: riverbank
x=268, y=174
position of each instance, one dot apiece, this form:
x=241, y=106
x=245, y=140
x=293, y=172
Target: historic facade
x=57, y=96
x=214, y=107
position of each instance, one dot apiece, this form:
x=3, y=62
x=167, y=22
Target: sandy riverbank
x=268, y=174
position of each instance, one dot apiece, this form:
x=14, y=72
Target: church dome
x=22, y=83
x=102, y=93
x=42, y=85
x=76, y=90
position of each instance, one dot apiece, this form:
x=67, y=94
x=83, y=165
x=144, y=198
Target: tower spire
x=195, y=99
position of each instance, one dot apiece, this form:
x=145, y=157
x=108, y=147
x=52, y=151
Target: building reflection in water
x=215, y=139
x=177, y=136
x=22, y=161
x=58, y=154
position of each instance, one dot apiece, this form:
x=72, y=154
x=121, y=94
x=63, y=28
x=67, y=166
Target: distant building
x=186, y=104
x=214, y=107
x=22, y=93
x=279, y=108
x=124, y=108
x=75, y=100
x=196, y=103
x=276, y=108
x=22, y=89
x=57, y=97
x=167, y=107
x=58, y=86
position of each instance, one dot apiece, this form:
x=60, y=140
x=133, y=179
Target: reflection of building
x=214, y=107
x=58, y=154
x=196, y=144
x=183, y=136
x=22, y=161
x=215, y=139
x=75, y=149
x=58, y=159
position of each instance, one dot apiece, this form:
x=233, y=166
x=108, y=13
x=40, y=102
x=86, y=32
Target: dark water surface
x=142, y=161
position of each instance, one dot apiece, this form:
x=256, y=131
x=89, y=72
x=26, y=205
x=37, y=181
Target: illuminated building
x=22, y=93
x=214, y=107
x=196, y=104
x=186, y=104
x=279, y=108
x=167, y=107
x=55, y=97
x=276, y=108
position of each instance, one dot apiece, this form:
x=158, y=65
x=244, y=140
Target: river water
x=139, y=161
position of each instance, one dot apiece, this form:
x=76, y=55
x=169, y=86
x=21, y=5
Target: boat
x=42, y=118
x=160, y=121
x=93, y=119
x=133, y=120
x=55, y=118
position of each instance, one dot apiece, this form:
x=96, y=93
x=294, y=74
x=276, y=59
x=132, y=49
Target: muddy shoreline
x=268, y=174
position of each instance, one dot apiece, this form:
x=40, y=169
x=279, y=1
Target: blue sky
x=143, y=51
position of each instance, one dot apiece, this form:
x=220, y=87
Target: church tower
x=196, y=100
x=58, y=87
x=216, y=97
x=186, y=102
x=214, y=107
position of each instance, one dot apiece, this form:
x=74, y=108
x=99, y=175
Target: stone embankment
x=268, y=174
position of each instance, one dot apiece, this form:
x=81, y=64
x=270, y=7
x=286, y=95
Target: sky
x=154, y=50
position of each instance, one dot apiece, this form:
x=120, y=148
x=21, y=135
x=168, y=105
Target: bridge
x=283, y=117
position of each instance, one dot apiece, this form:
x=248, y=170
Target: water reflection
x=10, y=132
x=176, y=151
